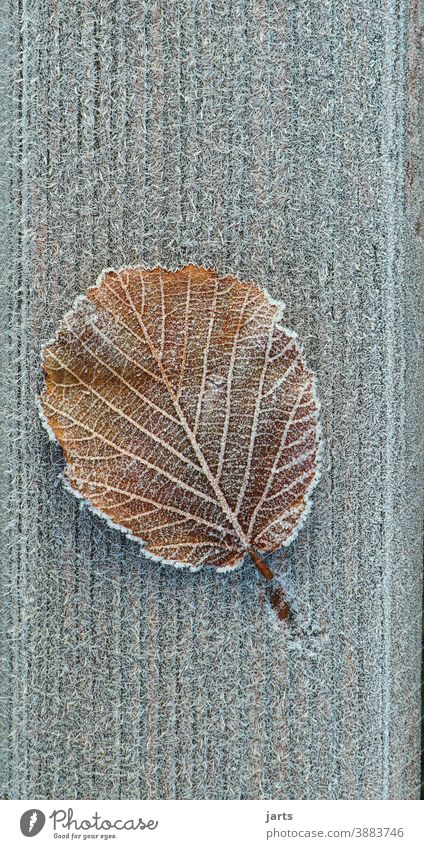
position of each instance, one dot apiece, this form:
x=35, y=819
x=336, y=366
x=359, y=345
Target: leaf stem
x=277, y=599
x=261, y=565
x=279, y=603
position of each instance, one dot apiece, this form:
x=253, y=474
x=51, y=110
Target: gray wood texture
x=279, y=141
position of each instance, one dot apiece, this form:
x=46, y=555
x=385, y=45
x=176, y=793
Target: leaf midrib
x=222, y=501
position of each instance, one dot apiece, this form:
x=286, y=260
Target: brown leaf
x=186, y=414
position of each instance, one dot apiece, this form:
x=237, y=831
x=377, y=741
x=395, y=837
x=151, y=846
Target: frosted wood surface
x=277, y=141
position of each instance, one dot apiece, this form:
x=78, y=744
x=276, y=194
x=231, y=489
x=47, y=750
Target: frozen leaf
x=186, y=414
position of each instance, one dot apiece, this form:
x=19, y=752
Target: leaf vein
x=229, y=387
x=134, y=456
x=129, y=419
x=255, y=419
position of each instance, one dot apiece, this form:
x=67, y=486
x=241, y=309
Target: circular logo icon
x=32, y=822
